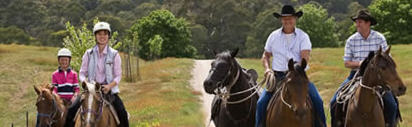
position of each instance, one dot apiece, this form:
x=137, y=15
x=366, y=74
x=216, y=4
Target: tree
x=265, y=24
x=174, y=31
x=393, y=17
x=131, y=47
x=155, y=46
x=318, y=26
x=79, y=40
x=13, y=34
x=25, y=14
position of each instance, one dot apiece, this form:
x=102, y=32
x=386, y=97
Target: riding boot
x=121, y=111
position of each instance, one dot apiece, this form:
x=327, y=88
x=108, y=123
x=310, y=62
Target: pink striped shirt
x=65, y=84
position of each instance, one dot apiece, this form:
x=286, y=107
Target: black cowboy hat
x=288, y=10
x=365, y=15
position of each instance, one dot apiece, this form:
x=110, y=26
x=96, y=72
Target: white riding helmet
x=64, y=52
x=101, y=26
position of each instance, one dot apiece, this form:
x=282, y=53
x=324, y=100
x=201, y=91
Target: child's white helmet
x=64, y=52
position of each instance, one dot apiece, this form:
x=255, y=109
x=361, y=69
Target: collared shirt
x=284, y=47
x=66, y=83
x=357, y=48
x=100, y=73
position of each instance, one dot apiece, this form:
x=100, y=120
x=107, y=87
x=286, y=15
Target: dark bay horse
x=235, y=92
x=94, y=110
x=291, y=106
x=50, y=107
x=378, y=73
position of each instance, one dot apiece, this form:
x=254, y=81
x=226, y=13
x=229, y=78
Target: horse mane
x=91, y=87
x=227, y=56
x=57, y=98
x=365, y=63
x=300, y=70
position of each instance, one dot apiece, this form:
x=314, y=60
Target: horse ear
x=50, y=87
x=303, y=63
x=388, y=50
x=234, y=53
x=291, y=65
x=37, y=89
x=370, y=55
x=84, y=86
x=379, y=50
x=214, y=52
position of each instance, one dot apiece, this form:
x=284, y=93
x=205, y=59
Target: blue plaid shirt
x=357, y=48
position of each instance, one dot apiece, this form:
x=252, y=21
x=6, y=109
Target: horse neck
x=244, y=108
x=240, y=85
x=367, y=98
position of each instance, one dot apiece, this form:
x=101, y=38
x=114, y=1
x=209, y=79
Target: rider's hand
x=106, y=89
x=267, y=71
x=74, y=98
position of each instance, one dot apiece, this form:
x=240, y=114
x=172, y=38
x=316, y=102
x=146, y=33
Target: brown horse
x=50, y=107
x=291, y=106
x=378, y=72
x=94, y=110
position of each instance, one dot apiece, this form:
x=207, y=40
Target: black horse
x=235, y=91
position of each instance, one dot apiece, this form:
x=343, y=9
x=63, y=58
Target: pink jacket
x=66, y=84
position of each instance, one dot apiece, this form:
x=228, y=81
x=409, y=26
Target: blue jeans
x=390, y=104
x=316, y=102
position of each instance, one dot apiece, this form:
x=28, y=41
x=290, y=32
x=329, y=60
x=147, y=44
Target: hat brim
x=297, y=14
x=371, y=19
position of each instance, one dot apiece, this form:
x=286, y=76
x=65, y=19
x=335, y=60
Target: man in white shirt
x=287, y=42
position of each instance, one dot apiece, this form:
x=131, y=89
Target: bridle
x=52, y=115
x=223, y=91
x=88, y=111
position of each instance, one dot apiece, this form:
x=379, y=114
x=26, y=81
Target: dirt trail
x=199, y=74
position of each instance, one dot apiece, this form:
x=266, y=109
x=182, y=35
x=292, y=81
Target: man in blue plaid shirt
x=357, y=49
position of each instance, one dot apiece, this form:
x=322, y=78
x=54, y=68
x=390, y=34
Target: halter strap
x=374, y=90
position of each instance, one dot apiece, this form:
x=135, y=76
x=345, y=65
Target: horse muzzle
x=209, y=86
x=401, y=91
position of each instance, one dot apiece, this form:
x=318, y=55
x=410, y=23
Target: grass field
x=162, y=98
x=327, y=72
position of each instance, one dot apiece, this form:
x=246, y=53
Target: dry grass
x=327, y=72
x=162, y=98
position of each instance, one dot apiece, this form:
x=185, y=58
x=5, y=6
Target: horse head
x=91, y=104
x=47, y=104
x=296, y=84
x=382, y=70
x=224, y=69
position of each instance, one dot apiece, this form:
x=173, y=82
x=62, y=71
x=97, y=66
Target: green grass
x=327, y=72
x=162, y=98
x=22, y=67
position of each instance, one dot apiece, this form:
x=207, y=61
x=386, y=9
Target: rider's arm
x=117, y=71
x=348, y=57
x=84, y=67
x=265, y=61
x=305, y=55
x=352, y=64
